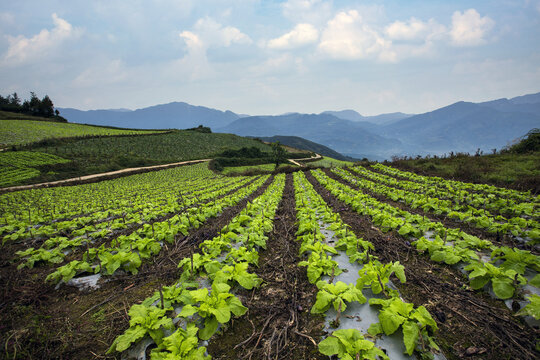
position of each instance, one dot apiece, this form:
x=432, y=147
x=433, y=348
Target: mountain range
x=459, y=127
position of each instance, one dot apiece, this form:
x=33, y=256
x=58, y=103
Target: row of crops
x=20, y=132
x=18, y=166
x=113, y=228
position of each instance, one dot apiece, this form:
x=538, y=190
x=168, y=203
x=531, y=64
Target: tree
x=278, y=154
x=34, y=104
x=46, y=107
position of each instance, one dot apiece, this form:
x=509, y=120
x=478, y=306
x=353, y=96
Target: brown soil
x=39, y=322
x=278, y=324
x=471, y=324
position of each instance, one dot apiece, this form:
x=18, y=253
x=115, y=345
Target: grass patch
x=328, y=162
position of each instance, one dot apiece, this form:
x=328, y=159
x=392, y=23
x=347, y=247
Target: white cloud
x=206, y=33
x=108, y=73
x=307, y=11
x=414, y=29
x=348, y=37
x=22, y=49
x=469, y=28
x=282, y=64
x=302, y=34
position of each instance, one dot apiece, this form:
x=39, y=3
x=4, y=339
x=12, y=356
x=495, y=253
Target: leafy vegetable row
x=45, y=206
x=416, y=324
x=179, y=316
x=479, y=218
x=460, y=198
x=506, y=271
x=103, y=224
x=459, y=185
x=127, y=252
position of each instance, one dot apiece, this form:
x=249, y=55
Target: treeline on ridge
x=35, y=107
x=254, y=156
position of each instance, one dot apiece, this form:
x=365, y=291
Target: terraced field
x=351, y=263
x=20, y=132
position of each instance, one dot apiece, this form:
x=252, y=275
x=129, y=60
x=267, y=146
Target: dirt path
x=278, y=324
x=313, y=158
x=99, y=177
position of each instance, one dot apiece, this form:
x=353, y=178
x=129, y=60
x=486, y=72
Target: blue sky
x=270, y=57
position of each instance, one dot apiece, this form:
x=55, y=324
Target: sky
x=270, y=57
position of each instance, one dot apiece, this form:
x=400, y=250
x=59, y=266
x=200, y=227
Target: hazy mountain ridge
x=179, y=115
x=344, y=136
x=462, y=126
x=381, y=119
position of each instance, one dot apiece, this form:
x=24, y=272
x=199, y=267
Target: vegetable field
x=17, y=132
x=337, y=263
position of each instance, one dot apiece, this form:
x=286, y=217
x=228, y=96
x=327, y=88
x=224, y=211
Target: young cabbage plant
x=215, y=307
x=336, y=295
x=144, y=320
x=319, y=264
x=376, y=276
x=69, y=271
x=349, y=344
x=181, y=344
x=237, y=272
x=503, y=281
x=416, y=324
x=532, y=308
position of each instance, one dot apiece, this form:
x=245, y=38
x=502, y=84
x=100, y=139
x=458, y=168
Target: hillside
x=303, y=144
x=23, y=131
x=77, y=157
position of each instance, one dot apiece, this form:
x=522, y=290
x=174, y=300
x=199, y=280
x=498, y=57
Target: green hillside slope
x=108, y=153
x=21, y=132
x=303, y=144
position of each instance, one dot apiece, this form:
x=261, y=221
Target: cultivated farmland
x=355, y=262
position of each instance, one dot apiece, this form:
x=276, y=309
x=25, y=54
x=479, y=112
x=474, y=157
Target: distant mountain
x=382, y=119
x=464, y=127
x=389, y=118
x=346, y=115
x=177, y=115
x=344, y=136
x=303, y=144
x=460, y=127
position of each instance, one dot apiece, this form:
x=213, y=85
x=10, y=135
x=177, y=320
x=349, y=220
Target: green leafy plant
x=144, y=320
x=53, y=256
x=181, y=344
x=532, y=308
x=349, y=344
x=516, y=259
x=503, y=281
x=377, y=275
x=238, y=272
x=336, y=295
x=319, y=264
x=129, y=261
x=215, y=307
x=415, y=324
x=69, y=271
